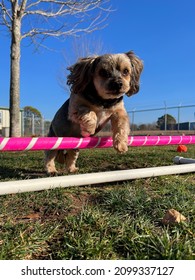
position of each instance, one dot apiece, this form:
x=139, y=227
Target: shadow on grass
x=7, y=173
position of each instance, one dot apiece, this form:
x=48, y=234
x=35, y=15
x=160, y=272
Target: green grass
x=120, y=220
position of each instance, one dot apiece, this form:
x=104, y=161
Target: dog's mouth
x=114, y=94
x=115, y=85
x=111, y=88
x=115, y=88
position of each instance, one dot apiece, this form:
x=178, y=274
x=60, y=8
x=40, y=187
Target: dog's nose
x=116, y=85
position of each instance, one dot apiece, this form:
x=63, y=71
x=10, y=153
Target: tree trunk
x=15, y=126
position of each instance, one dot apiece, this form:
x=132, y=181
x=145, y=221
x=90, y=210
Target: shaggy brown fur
x=97, y=85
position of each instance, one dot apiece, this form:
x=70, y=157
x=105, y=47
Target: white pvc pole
x=90, y=178
x=183, y=160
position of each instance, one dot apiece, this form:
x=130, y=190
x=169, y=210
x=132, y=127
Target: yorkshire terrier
x=98, y=85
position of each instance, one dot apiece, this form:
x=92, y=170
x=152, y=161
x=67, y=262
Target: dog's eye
x=125, y=72
x=104, y=73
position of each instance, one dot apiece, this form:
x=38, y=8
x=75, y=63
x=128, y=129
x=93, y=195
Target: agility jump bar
x=65, y=143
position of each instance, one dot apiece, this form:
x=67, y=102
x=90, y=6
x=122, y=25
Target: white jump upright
x=182, y=160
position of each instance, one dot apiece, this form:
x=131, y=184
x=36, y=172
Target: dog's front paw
x=121, y=147
x=120, y=144
x=88, y=123
x=85, y=133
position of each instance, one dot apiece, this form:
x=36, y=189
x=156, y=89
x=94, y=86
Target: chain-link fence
x=174, y=119
x=35, y=126
x=178, y=119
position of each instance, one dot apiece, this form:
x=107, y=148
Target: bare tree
x=38, y=20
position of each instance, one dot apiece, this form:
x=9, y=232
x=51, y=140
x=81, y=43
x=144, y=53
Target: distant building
x=4, y=121
x=186, y=126
x=180, y=126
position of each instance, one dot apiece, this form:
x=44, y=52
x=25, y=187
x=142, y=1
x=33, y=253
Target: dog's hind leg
x=50, y=162
x=70, y=159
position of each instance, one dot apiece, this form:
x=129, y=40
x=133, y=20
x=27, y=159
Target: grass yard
x=121, y=220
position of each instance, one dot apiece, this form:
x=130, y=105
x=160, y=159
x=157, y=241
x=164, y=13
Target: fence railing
x=183, y=114
x=141, y=120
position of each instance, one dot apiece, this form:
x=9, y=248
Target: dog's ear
x=137, y=67
x=81, y=74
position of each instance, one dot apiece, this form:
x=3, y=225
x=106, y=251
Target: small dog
x=97, y=85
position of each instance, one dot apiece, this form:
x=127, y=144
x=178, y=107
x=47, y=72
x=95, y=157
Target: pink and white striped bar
x=65, y=143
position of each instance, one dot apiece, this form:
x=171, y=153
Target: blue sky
x=160, y=32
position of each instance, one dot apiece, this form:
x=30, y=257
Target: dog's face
x=112, y=75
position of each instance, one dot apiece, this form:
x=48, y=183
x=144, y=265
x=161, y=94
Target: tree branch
x=5, y=15
x=55, y=18
x=58, y=32
x=22, y=8
x=59, y=8
x=58, y=28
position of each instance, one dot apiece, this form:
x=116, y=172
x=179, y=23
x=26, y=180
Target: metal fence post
x=42, y=127
x=33, y=124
